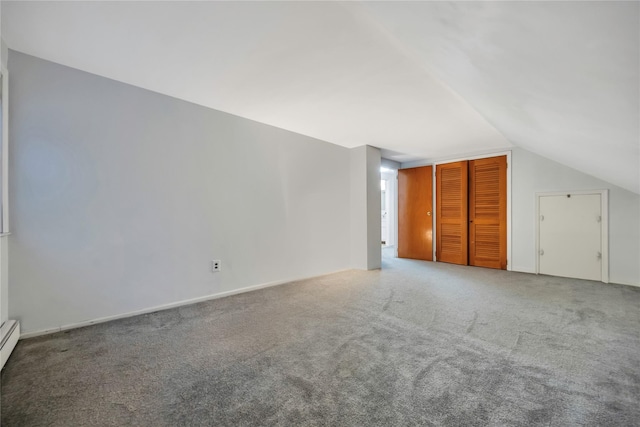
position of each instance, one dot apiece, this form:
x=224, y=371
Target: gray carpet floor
x=415, y=343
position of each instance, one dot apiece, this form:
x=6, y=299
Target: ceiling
x=421, y=80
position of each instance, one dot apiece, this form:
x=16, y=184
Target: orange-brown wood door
x=415, y=219
x=452, y=212
x=488, y=212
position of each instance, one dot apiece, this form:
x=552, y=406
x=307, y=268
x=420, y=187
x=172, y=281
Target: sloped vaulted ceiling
x=561, y=79
x=421, y=80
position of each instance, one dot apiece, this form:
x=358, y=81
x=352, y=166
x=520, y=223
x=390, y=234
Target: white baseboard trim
x=523, y=270
x=170, y=305
x=9, y=335
x=611, y=281
x=623, y=282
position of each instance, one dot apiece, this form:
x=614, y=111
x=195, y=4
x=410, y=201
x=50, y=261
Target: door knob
x=429, y=213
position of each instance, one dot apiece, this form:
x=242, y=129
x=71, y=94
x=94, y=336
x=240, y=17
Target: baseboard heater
x=9, y=333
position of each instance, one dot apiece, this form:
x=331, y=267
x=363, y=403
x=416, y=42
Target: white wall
x=4, y=53
x=532, y=173
x=121, y=197
x=389, y=164
x=365, y=208
x=374, y=222
x=4, y=252
x=4, y=279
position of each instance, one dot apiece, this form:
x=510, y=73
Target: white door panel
x=571, y=236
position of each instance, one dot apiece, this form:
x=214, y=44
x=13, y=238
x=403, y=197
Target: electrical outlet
x=215, y=265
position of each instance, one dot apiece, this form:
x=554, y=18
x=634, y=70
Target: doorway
x=415, y=213
x=471, y=212
x=388, y=216
x=572, y=235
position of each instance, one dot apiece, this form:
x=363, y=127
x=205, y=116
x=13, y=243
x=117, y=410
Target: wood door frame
x=604, y=224
x=481, y=156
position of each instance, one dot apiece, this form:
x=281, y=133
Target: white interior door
x=570, y=236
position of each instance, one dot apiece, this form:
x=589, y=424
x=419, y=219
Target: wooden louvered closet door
x=452, y=212
x=488, y=212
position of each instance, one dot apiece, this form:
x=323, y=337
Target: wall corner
x=366, y=253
